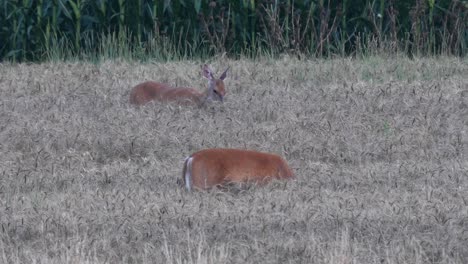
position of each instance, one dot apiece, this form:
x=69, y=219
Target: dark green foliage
x=34, y=30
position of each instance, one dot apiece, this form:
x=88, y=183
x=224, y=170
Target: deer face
x=216, y=89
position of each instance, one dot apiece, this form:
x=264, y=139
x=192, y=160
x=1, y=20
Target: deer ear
x=207, y=72
x=223, y=76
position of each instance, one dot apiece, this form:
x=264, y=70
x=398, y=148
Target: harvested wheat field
x=379, y=148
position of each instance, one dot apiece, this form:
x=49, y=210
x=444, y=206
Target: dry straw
x=379, y=147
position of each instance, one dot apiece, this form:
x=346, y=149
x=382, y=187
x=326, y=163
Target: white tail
x=211, y=167
x=186, y=172
x=155, y=91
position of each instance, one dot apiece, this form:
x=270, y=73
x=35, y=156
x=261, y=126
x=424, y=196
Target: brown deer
x=212, y=167
x=155, y=91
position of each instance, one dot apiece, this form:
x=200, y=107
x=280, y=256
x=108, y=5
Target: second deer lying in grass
x=154, y=91
x=216, y=167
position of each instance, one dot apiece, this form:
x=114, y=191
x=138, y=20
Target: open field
x=379, y=148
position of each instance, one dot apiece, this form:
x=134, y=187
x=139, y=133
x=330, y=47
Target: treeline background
x=36, y=30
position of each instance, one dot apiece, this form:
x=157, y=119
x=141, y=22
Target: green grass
x=35, y=31
x=379, y=146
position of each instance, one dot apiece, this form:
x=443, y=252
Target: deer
x=217, y=167
x=146, y=92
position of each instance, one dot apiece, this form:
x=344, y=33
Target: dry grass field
x=379, y=147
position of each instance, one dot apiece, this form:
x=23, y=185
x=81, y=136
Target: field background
x=379, y=147
x=44, y=30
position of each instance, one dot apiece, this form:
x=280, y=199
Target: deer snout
x=217, y=96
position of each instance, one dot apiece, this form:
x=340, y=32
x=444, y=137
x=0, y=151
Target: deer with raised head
x=155, y=91
x=216, y=167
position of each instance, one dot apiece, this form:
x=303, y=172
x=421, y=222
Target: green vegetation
x=178, y=29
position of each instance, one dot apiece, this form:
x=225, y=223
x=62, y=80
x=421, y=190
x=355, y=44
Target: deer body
x=212, y=167
x=155, y=91
x=148, y=91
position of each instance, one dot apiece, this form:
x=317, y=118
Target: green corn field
x=37, y=30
